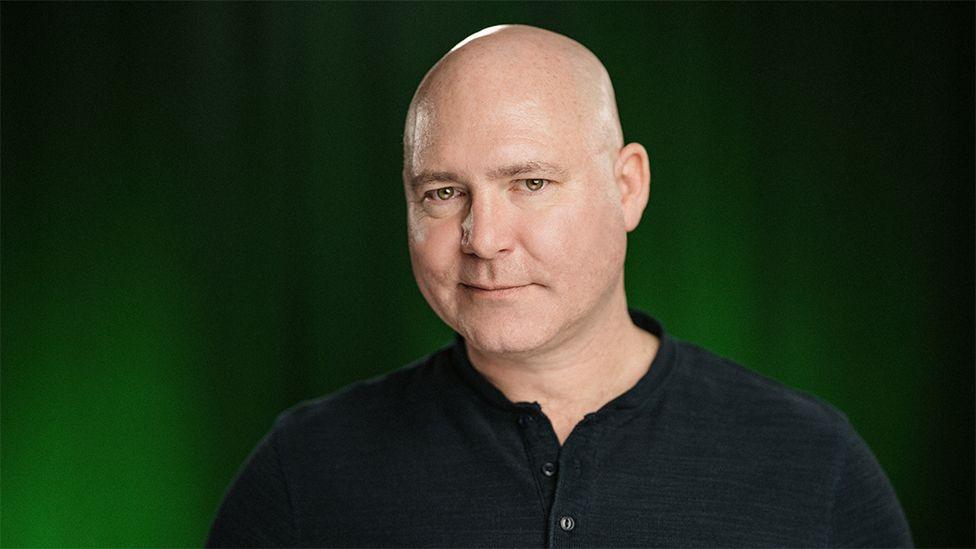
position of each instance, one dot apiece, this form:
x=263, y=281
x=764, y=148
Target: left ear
x=632, y=173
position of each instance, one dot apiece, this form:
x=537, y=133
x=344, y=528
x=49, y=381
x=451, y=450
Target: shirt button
x=525, y=419
x=548, y=468
x=567, y=523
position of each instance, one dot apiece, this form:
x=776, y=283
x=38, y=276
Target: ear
x=632, y=173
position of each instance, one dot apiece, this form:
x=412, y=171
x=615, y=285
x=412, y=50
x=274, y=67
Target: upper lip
x=492, y=287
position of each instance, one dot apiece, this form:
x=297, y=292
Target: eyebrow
x=502, y=172
x=522, y=168
x=423, y=178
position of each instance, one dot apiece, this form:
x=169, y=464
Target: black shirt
x=700, y=452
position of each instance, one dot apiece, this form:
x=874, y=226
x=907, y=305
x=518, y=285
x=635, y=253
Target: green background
x=203, y=223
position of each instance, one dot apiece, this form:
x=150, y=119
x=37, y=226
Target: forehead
x=468, y=130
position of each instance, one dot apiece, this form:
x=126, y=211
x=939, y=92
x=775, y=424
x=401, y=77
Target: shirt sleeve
x=256, y=510
x=866, y=511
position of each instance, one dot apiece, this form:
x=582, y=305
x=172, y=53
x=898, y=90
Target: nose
x=486, y=231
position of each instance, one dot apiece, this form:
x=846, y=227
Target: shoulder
x=367, y=407
x=721, y=387
x=788, y=448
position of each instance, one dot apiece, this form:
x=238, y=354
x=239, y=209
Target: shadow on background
x=203, y=224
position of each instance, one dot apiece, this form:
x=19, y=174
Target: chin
x=506, y=335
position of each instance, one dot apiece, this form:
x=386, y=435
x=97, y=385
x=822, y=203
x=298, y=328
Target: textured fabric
x=700, y=452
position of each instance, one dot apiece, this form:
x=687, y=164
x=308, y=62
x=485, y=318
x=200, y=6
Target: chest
x=516, y=485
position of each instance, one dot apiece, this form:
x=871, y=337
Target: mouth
x=493, y=291
x=491, y=288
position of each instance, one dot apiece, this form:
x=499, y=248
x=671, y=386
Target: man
x=558, y=416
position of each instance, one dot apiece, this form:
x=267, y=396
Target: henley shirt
x=700, y=452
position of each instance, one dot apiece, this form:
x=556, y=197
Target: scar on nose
x=466, y=227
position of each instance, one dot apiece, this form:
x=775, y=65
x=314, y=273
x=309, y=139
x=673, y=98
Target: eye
x=442, y=194
x=534, y=184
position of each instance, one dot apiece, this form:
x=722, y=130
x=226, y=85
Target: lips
x=492, y=287
x=497, y=293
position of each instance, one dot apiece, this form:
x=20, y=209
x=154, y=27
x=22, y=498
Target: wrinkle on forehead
x=517, y=65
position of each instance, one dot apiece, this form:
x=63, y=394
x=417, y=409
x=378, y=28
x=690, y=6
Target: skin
x=520, y=194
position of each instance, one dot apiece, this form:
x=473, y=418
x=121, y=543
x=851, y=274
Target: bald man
x=558, y=416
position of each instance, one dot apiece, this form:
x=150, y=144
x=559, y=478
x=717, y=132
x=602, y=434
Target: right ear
x=632, y=173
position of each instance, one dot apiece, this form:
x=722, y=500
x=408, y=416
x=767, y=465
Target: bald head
x=516, y=69
x=520, y=192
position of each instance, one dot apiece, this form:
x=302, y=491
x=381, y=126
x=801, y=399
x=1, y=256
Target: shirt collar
x=646, y=389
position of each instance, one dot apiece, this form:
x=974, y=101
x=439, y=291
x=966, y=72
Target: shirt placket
x=564, y=475
x=542, y=451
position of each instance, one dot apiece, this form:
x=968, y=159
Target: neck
x=587, y=369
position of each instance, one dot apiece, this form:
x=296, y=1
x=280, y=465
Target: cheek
x=434, y=248
x=580, y=246
x=416, y=234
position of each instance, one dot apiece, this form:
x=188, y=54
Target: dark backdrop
x=203, y=224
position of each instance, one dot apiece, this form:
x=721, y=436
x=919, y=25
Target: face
x=516, y=234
